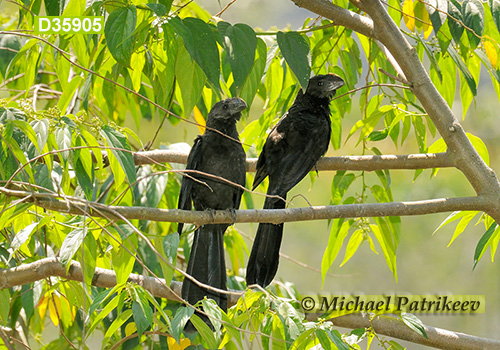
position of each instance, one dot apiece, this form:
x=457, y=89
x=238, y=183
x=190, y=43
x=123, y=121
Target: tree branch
x=78, y=206
x=366, y=163
x=52, y=267
x=393, y=327
x=340, y=16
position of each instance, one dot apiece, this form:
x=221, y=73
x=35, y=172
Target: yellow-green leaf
x=491, y=52
x=199, y=119
x=480, y=148
x=409, y=15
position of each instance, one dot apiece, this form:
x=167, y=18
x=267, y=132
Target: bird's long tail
x=264, y=258
x=206, y=264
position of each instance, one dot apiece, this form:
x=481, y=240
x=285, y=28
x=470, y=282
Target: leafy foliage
x=156, y=60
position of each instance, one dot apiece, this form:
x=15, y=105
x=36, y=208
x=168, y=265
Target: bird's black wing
x=272, y=145
x=293, y=148
x=187, y=182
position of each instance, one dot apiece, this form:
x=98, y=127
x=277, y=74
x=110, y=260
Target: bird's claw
x=233, y=215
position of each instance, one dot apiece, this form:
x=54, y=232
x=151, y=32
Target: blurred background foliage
x=183, y=59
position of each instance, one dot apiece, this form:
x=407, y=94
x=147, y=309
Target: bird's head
x=228, y=109
x=324, y=86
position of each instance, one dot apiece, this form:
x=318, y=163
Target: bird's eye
x=320, y=83
x=224, y=106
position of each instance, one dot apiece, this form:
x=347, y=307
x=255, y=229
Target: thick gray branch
x=52, y=267
x=367, y=163
x=340, y=16
x=275, y=216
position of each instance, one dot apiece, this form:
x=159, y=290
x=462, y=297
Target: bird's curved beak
x=237, y=105
x=335, y=82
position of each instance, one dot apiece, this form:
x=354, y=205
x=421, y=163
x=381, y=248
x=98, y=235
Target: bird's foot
x=233, y=215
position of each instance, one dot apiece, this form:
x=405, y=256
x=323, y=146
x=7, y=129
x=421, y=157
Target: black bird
x=291, y=150
x=224, y=157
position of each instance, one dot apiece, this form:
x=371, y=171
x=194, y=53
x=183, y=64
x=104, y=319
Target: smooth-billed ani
x=291, y=150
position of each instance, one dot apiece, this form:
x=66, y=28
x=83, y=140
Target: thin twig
x=225, y=8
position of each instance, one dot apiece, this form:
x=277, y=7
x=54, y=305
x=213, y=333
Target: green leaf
x=190, y=78
x=201, y=43
x=414, y=323
x=151, y=187
x=464, y=221
x=395, y=346
x=480, y=147
x=31, y=67
x=22, y=237
x=444, y=37
x=295, y=50
x=452, y=217
x=495, y=12
x=239, y=42
x=254, y=78
x=123, y=259
x=180, y=319
x=27, y=129
x=455, y=20
x=159, y=9
x=117, y=323
x=53, y=8
x=69, y=91
x=387, y=246
x=63, y=140
x=353, y=245
x=84, y=180
x=71, y=244
x=97, y=302
x=118, y=141
x=4, y=305
x=340, y=184
x=336, y=137
x=140, y=319
x=231, y=330
x=323, y=338
x=41, y=130
x=118, y=31
x=89, y=259
x=170, y=246
x=274, y=80
x=337, y=339
x=465, y=71
x=105, y=312
x=6, y=56
x=437, y=12
x=484, y=242
x=473, y=12
x=449, y=83
x=378, y=135
x=304, y=340
x=7, y=216
x=206, y=333
x=211, y=308
x=337, y=235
